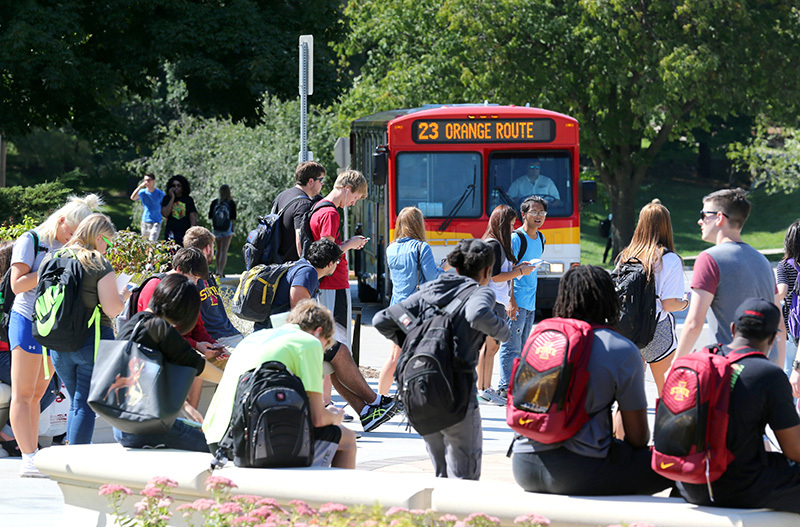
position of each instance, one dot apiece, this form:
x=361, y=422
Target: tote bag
x=135, y=389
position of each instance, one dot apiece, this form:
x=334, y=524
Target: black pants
x=625, y=470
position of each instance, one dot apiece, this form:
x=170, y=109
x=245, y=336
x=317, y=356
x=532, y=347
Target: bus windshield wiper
x=467, y=191
x=505, y=197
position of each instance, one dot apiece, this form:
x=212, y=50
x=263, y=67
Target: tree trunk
x=704, y=160
x=2, y=161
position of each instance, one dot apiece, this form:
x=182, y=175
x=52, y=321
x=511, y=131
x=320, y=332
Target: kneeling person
x=297, y=345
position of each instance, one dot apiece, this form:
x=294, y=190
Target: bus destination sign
x=483, y=131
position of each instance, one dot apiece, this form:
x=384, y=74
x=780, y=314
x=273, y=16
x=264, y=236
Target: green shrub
x=36, y=201
x=132, y=253
x=12, y=231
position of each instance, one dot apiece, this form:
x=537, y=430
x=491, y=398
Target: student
x=172, y=311
x=787, y=279
x=594, y=462
x=456, y=451
x=179, y=209
x=760, y=396
x=653, y=246
x=411, y=264
x=309, y=176
x=27, y=368
x=297, y=345
x=223, y=237
x=89, y=244
x=151, y=198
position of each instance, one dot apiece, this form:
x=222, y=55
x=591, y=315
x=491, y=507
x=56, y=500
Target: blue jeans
x=181, y=437
x=75, y=369
x=511, y=349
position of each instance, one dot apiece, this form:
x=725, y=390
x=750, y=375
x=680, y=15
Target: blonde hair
x=84, y=241
x=73, y=212
x=353, y=179
x=652, y=237
x=309, y=316
x=410, y=224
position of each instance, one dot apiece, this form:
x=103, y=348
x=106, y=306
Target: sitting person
x=760, y=396
x=297, y=345
x=172, y=312
x=597, y=460
x=534, y=183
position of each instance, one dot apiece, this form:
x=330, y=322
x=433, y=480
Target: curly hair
x=471, y=257
x=587, y=292
x=322, y=253
x=187, y=189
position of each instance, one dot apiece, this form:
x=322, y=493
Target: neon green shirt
x=299, y=351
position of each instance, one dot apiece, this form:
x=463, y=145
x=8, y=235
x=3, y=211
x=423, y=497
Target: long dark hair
x=791, y=243
x=176, y=300
x=187, y=189
x=499, y=228
x=587, y=293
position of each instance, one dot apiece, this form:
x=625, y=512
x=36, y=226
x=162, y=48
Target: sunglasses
x=706, y=213
x=535, y=166
x=108, y=242
x=319, y=179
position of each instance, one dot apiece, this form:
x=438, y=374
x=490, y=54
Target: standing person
x=88, y=245
x=295, y=202
x=222, y=214
x=151, y=198
x=27, y=368
x=787, y=279
x=522, y=309
x=411, y=264
x=727, y=273
x=173, y=310
x=179, y=209
x=504, y=270
x=456, y=451
x=653, y=246
x=597, y=460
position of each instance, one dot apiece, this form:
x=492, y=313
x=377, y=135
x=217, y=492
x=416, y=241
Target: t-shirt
x=669, y=280
x=91, y=276
x=301, y=274
x=761, y=396
x=787, y=274
x=411, y=264
x=178, y=221
x=23, y=253
x=155, y=332
x=299, y=351
x=502, y=290
x=152, y=204
x=615, y=374
x=231, y=209
x=525, y=286
x=291, y=220
x=212, y=310
x=326, y=222
x=543, y=186
x=732, y=272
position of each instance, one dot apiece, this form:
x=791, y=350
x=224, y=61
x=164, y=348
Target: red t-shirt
x=198, y=334
x=325, y=222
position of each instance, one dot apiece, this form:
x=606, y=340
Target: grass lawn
x=770, y=217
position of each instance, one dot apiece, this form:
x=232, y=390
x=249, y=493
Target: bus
x=456, y=163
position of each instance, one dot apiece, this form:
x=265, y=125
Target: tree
x=74, y=61
x=635, y=73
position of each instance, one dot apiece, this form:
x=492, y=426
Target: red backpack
x=691, y=425
x=547, y=391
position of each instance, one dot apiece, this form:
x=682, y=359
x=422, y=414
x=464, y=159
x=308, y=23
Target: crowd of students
x=182, y=315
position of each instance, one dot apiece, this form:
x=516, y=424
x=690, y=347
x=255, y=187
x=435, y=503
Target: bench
x=80, y=470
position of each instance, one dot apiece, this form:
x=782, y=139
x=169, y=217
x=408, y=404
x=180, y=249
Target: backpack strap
x=283, y=209
x=523, y=244
x=460, y=299
x=402, y=317
x=419, y=264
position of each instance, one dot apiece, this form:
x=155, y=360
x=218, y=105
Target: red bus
x=457, y=163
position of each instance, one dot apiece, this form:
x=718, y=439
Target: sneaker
x=379, y=414
x=492, y=397
x=502, y=393
x=28, y=470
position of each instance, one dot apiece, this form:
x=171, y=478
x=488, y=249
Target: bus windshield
x=438, y=182
x=513, y=176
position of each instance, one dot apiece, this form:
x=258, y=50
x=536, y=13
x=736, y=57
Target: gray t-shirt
x=23, y=253
x=615, y=374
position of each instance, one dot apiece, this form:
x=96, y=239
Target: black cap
x=761, y=315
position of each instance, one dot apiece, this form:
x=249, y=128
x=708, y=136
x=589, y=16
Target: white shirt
x=543, y=186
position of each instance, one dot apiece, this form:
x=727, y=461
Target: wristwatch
x=796, y=365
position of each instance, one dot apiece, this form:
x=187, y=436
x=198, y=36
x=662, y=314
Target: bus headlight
x=556, y=267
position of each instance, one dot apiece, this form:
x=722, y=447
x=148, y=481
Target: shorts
x=151, y=230
x=331, y=352
x=20, y=333
x=340, y=305
x=326, y=443
x=224, y=234
x=663, y=343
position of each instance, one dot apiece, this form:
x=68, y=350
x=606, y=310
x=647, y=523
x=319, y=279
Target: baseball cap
x=761, y=315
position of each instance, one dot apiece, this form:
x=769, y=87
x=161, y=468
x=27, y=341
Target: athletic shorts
x=663, y=343
x=151, y=230
x=339, y=303
x=20, y=333
x=326, y=442
x=331, y=352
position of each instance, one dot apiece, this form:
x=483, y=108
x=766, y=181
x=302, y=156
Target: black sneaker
x=502, y=393
x=379, y=414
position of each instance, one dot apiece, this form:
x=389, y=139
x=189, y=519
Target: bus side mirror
x=381, y=170
x=588, y=191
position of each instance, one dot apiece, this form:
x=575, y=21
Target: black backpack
x=306, y=236
x=7, y=294
x=271, y=421
x=132, y=303
x=221, y=219
x=60, y=320
x=433, y=381
x=637, y=302
x=256, y=291
x=264, y=241
x=523, y=242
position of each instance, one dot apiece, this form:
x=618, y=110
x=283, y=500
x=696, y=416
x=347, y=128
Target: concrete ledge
x=80, y=470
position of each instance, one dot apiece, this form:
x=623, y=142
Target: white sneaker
x=28, y=470
x=490, y=395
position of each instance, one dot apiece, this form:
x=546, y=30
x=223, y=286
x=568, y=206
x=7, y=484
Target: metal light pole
x=306, y=89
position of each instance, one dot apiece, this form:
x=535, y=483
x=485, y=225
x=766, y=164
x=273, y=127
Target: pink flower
x=532, y=519
x=395, y=510
x=267, y=524
x=298, y=502
x=248, y=499
x=245, y=520
x=140, y=506
x=186, y=507
x=270, y=502
x=641, y=524
x=107, y=490
x=481, y=517
x=165, y=502
x=417, y=512
x=203, y=504
x=152, y=491
x=262, y=512
x=228, y=507
x=218, y=482
x=164, y=482
x=448, y=518
x=304, y=510
x=332, y=507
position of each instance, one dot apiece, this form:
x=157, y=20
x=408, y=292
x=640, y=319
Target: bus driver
x=534, y=183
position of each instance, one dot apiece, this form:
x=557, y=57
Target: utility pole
x=306, y=89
